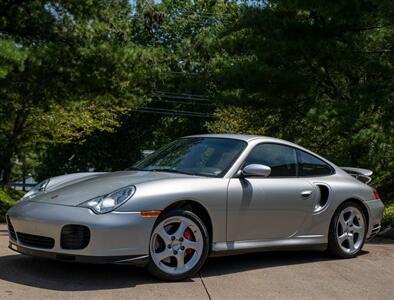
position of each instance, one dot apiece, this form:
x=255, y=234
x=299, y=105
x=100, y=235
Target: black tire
x=157, y=272
x=334, y=248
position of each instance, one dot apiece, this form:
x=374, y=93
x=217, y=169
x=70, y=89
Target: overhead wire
x=173, y=112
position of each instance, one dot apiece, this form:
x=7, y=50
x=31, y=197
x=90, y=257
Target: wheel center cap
x=176, y=244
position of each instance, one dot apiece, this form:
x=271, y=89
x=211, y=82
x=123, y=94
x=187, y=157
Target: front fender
x=211, y=193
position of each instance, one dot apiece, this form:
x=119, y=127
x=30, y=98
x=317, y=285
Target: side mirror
x=256, y=170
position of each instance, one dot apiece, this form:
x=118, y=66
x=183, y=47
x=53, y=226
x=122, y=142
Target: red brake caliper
x=188, y=234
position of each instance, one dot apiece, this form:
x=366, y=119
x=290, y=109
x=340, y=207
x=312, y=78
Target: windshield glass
x=195, y=155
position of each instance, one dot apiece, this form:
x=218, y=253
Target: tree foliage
x=183, y=32
x=319, y=73
x=81, y=76
x=67, y=68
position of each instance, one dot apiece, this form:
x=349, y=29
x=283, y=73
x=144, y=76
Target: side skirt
x=315, y=242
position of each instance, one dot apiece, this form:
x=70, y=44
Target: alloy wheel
x=176, y=245
x=350, y=231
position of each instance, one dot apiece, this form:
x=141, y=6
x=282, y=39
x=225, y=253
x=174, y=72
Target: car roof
x=259, y=138
x=248, y=138
x=242, y=137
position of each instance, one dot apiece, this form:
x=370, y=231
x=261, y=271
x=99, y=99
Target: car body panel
x=46, y=219
x=211, y=193
x=260, y=208
x=90, y=187
x=246, y=213
x=68, y=179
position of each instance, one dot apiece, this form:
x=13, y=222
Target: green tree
x=67, y=69
x=319, y=73
x=183, y=31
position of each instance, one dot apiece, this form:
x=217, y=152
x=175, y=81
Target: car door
x=273, y=207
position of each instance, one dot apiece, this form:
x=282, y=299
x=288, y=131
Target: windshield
x=195, y=155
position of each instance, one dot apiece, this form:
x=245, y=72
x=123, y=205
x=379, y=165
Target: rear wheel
x=348, y=231
x=178, y=245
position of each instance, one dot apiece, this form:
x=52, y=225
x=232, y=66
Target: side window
x=310, y=165
x=281, y=159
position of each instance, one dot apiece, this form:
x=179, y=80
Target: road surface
x=271, y=275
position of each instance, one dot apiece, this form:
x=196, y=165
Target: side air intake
x=324, y=194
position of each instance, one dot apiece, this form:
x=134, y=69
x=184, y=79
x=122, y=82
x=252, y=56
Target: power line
x=182, y=102
x=175, y=97
x=187, y=73
x=183, y=96
x=176, y=111
x=173, y=112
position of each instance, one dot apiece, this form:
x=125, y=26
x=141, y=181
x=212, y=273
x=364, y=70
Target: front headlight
x=34, y=191
x=104, y=204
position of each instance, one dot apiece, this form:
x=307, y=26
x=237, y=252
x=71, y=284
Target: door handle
x=306, y=194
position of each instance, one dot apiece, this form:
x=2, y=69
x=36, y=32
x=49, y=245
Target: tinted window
x=281, y=159
x=195, y=155
x=312, y=166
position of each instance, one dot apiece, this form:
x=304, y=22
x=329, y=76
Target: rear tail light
x=376, y=195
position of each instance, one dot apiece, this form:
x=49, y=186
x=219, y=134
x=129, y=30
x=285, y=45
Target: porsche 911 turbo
x=199, y=196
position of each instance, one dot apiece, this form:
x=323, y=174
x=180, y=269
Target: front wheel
x=178, y=245
x=348, y=231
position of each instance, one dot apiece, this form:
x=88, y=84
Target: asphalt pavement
x=269, y=275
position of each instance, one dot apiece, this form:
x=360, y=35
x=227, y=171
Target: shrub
x=8, y=197
x=388, y=219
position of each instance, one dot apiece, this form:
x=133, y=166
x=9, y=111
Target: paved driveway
x=295, y=275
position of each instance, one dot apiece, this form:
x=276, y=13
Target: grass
x=8, y=197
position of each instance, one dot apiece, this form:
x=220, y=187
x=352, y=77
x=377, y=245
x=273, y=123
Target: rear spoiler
x=362, y=175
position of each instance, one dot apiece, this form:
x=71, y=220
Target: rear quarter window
x=310, y=165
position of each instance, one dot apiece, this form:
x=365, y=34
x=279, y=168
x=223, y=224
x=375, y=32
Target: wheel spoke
x=357, y=229
x=342, y=238
x=180, y=260
x=179, y=232
x=342, y=222
x=351, y=242
x=164, y=254
x=164, y=235
x=191, y=245
x=351, y=217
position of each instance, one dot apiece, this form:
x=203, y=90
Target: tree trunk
x=6, y=173
x=12, y=145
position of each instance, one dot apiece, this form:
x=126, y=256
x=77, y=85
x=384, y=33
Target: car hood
x=75, y=189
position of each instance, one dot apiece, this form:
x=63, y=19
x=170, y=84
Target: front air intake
x=11, y=230
x=36, y=241
x=75, y=237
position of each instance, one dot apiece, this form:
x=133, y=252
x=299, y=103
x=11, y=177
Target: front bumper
x=128, y=259
x=114, y=237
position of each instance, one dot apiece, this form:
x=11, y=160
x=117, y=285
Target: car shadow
x=381, y=240
x=246, y=262
x=61, y=276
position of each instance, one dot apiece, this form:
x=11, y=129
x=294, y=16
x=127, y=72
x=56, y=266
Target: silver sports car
x=198, y=196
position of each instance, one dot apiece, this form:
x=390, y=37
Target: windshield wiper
x=170, y=171
x=160, y=170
